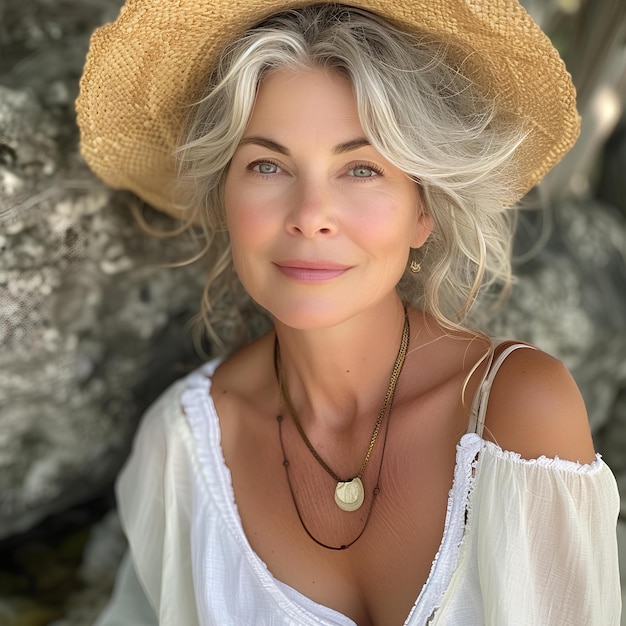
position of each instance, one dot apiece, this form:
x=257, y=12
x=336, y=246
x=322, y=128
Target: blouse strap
x=479, y=405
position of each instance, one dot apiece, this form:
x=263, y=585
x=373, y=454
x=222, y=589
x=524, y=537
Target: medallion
x=349, y=495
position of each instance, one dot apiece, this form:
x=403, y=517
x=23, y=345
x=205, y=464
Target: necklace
x=375, y=492
x=349, y=494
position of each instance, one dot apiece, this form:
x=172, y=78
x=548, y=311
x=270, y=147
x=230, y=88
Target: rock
x=611, y=440
x=90, y=333
x=102, y=555
x=91, y=327
x=63, y=568
x=21, y=612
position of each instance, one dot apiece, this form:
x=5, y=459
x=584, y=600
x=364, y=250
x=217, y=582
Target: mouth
x=311, y=271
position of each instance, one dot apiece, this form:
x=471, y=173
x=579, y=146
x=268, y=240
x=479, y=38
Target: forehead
x=306, y=101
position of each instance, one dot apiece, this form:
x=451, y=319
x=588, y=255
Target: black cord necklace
x=376, y=491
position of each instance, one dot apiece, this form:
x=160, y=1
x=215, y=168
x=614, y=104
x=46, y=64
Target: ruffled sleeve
x=154, y=495
x=540, y=547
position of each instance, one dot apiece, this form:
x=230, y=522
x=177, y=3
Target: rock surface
x=91, y=328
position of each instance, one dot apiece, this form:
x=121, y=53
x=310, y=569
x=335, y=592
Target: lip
x=311, y=271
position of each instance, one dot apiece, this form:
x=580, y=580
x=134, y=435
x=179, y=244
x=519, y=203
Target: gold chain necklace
x=349, y=494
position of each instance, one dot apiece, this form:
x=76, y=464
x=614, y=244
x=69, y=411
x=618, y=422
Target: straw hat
x=144, y=69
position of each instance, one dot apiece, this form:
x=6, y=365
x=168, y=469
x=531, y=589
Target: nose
x=313, y=211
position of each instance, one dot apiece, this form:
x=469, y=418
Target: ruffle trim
x=447, y=557
x=550, y=463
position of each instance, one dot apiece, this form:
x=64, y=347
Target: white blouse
x=528, y=543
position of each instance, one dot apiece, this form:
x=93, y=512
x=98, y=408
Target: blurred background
x=91, y=329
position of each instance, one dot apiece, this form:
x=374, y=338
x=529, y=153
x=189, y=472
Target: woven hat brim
x=143, y=71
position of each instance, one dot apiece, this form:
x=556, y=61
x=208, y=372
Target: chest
x=285, y=513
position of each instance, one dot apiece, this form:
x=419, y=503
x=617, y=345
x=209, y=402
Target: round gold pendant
x=349, y=496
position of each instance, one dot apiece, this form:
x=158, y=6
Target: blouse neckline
x=205, y=426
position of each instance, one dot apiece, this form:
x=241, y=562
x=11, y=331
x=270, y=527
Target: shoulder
x=535, y=408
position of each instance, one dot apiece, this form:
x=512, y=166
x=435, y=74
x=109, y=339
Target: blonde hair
x=417, y=108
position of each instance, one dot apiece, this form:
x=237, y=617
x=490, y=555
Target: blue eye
x=264, y=167
x=364, y=171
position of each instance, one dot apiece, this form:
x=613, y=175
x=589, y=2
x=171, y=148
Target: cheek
x=389, y=224
x=247, y=219
x=251, y=230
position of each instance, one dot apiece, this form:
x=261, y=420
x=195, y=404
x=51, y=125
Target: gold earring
x=415, y=267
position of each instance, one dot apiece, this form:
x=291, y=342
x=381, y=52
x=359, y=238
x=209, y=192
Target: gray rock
x=90, y=333
x=91, y=327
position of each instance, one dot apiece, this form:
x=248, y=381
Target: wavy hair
x=417, y=107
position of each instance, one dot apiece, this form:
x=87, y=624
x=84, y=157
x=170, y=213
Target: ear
x=423, y=227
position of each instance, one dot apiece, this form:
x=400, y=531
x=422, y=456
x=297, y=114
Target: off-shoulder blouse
x=526, y=542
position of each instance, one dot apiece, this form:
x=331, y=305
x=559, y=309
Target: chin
x=326, y=308
x=310, y=316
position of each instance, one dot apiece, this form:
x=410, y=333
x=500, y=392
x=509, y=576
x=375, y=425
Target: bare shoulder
x=535, y=408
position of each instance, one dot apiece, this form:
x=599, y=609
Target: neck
x=337, y=377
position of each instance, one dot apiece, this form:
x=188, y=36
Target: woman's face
x=320, y=223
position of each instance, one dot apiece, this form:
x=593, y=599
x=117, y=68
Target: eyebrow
x=270, y=144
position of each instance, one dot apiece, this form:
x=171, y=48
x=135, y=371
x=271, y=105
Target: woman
x=336, y=470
